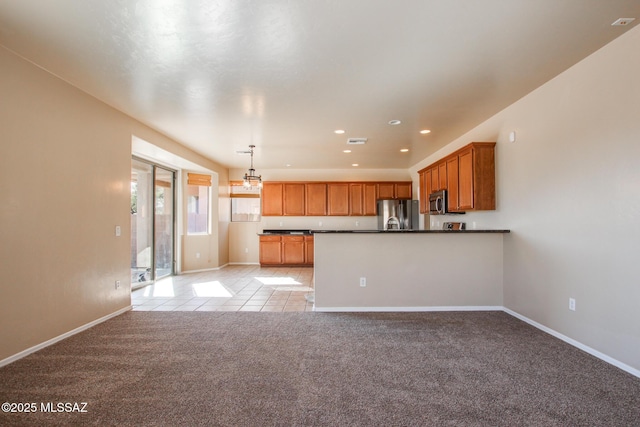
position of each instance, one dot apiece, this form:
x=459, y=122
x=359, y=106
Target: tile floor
x=232, y=288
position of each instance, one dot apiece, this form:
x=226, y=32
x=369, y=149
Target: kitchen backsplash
x=320, y=222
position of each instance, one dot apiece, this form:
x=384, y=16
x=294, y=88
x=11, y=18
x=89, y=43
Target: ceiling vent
x=356, y=141
x=623, y=21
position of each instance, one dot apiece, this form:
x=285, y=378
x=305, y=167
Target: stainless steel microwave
x=438, y=202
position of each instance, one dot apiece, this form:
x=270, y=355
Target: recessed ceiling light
x=346, y=151
x=425, y=131
x=354, y=164
x=404, y=150
x=339, y=131
x=394, y=122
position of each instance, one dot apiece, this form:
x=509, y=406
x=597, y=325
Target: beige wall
x=569, y=189
x=65, y=166
x=408, y=271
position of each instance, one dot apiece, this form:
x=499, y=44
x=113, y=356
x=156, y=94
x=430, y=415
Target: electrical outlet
x=357, y=223
x=118, y=231
x=117, y=284
x=197, y=254
x=363, y=282
x=246, y=250
x=572, y=304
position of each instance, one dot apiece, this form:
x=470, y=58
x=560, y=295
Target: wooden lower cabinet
x=270, y=250
x=286, y=250
x=292, y=250
x=308, y=250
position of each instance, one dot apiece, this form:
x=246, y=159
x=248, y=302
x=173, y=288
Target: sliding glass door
x=163, y=222
x=152, y=222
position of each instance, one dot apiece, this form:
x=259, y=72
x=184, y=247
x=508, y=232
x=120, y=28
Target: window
x=198, y=195
x=245, y=203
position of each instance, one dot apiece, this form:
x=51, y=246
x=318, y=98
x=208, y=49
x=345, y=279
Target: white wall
x=569, y=190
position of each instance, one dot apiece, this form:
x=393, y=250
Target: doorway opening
x=152, y=222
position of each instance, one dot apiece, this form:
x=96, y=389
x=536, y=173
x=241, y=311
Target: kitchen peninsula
x=408, y=270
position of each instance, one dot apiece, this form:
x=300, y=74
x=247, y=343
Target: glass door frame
x=152, y=272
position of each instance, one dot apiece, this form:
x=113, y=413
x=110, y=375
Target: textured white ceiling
x=220, y=75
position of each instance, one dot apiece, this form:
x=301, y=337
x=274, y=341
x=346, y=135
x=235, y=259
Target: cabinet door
x=465, y=180
x=338, y=196
x=435, y=182
x=308, y=250
x=442, y=176
x=386, y=190
x=452, y=184
x=316, y=199
x=270, y=250
x=293, y=249
x=425, y=190
x=370, y=199
x=272, y=199
x=403, y=190
x=293, y=199
x=356, y=200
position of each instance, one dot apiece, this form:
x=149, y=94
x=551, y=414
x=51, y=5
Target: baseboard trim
x=203, y=270
x=406, y=309
x=244, y=263
x=47, y=343
x=577, y=344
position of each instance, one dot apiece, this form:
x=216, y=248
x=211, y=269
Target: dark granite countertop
x=409, y=231
x=278, y=232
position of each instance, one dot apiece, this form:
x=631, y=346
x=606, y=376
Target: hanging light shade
x=250, y=178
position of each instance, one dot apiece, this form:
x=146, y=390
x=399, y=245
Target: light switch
x=118, y=231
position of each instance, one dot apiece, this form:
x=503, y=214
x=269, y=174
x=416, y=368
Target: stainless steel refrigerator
x=398, y=214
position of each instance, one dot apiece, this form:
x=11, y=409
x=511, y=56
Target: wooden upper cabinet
x=425, y=190
x=356, y=199
x=330, y=198
x=386, y=190
x=395, y=190
x=469, y=178
x=272, y=196
x=316, y=199
x=478, y=177
x=403, y=190
x=442, y=176
x=465, y=181
x=452, y=184
x=338, y=199
x=293, y=196
x=435, y=182
x=370, y=199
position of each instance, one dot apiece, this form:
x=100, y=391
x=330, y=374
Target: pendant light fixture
x=250, y=178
